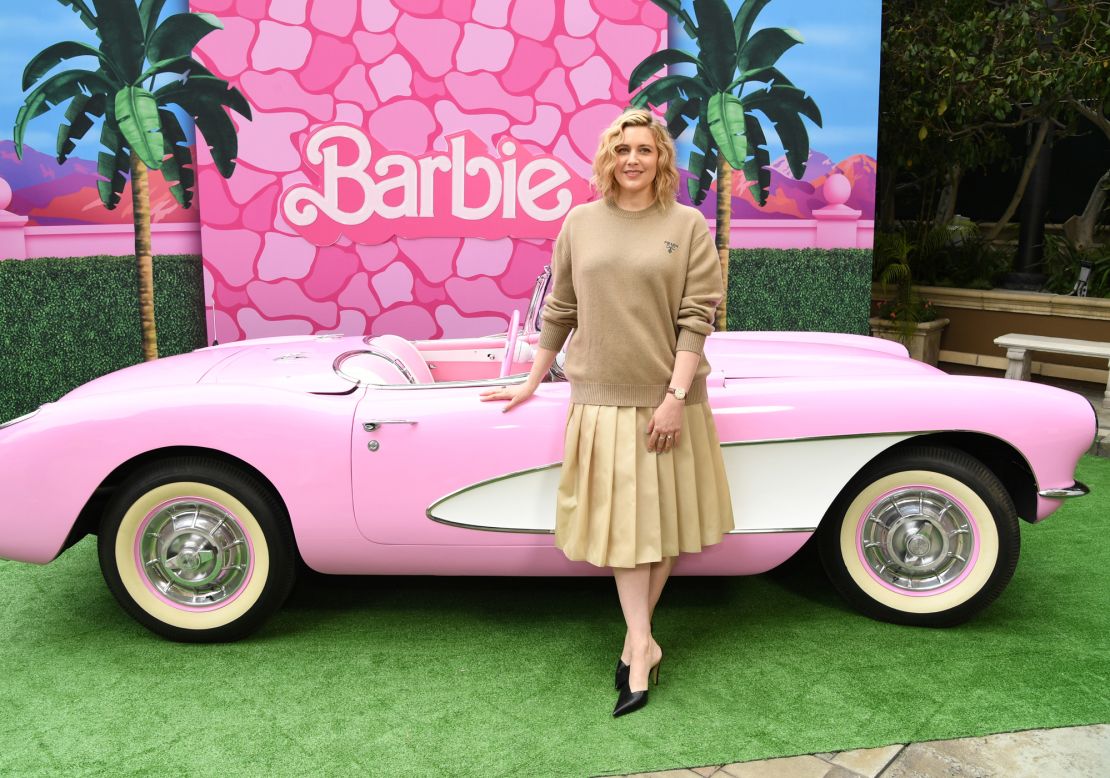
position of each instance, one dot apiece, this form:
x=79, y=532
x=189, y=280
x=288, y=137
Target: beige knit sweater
x=636, y=286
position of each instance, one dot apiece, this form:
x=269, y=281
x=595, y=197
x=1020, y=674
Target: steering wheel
x=510, y=344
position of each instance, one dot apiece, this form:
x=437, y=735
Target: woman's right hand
x=514, y=394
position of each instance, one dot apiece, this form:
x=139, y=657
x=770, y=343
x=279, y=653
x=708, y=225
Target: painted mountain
x=48, y=193
x=791, y=199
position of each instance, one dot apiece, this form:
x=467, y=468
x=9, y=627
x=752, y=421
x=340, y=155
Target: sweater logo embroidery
x=670, y=246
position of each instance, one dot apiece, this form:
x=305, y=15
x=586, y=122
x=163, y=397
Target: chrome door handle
x=370, y=426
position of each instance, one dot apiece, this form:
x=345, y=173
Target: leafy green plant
x=728, y=133
x=901, y=304
x=142, y=68
x=958, y=255
x=1062, y=262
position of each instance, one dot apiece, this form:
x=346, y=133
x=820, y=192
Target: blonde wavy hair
x=604, y=180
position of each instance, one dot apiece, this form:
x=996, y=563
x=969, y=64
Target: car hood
x=808, y=354
x=295, y=363
x=303, y=364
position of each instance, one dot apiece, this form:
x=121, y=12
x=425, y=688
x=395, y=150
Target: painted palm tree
x=143, y=68
x=728, y=134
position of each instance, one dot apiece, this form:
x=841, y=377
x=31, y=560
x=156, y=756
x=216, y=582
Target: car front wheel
x=927, y=536
x=197, y=550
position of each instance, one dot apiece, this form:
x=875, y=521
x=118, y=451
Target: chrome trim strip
x=336, y=365
x=513, y=379
x=17, y=419
x=1078, y=489
x=772, y=531
x=493, y=529
x=907, y=434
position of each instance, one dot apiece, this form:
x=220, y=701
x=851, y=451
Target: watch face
x=680, y=394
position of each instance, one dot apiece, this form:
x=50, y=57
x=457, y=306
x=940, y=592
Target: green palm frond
x=757, y=170
x=729, y=56
x=55, y=90
x=177, y=167
x=717, y=43
x=177, y=36
x=703, y=163
x=661, y=59
x=133, y=50
x=82, y=10
x=745, y=18
x=727, y=126
x=112, y=163
x=149, y=11
x=204, y=99
x=52, y=56
x=667, y=89
x=764, y=48
x=82, y=112
x=137, y=117
x=674, y=8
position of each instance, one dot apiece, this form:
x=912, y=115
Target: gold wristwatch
x=679, y=394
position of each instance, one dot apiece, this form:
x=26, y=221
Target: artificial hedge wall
x=814, y=290
x=66, y=321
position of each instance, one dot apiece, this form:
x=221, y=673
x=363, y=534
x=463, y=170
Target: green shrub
x=66, y=321
x=814, y=290
x=1061, y=265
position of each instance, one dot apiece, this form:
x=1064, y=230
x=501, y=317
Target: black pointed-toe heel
x=628, y=701
x=621, y=678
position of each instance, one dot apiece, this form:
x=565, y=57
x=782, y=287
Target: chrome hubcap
x=195, y=553
x=917, y=539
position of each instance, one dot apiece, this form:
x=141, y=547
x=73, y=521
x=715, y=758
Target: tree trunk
x=1030, y=162
x=946, y=207
x=724, y=228
x=140, y=199
x=887, y=181
x=1080, y=229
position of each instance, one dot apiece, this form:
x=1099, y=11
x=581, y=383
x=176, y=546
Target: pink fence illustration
x=834, y=226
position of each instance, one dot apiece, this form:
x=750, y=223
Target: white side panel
x=524, y=502
x=790, y=485
x=775, y=486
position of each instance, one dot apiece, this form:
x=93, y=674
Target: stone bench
x=1018, y=348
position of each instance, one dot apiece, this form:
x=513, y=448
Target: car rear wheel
x=927, y=536
x=197, y=550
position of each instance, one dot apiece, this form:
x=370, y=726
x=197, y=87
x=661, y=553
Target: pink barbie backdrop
x=409, y=161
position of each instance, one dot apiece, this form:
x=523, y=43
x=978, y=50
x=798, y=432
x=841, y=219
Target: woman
x=636, y=275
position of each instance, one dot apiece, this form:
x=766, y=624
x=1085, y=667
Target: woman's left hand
x=665, y=426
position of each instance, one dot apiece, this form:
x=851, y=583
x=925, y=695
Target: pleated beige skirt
x=620, y=506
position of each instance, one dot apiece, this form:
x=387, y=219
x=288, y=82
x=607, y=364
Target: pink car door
x=435, y=465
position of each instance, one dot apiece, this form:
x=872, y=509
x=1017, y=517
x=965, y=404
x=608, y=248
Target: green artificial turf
x=512, y=677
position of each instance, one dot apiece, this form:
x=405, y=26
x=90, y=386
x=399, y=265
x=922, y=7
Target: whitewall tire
x=197, y=550
x=925, y=536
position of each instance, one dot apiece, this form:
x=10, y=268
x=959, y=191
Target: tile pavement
x=1068, y=752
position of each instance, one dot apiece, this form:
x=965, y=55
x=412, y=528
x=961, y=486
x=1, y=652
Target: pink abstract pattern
x=409, y=73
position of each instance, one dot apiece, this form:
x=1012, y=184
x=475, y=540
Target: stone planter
x=924, y=342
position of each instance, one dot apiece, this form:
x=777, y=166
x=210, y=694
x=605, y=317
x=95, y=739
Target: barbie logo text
x=370, y=196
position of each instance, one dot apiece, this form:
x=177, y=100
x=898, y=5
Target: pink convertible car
x=208, y=477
